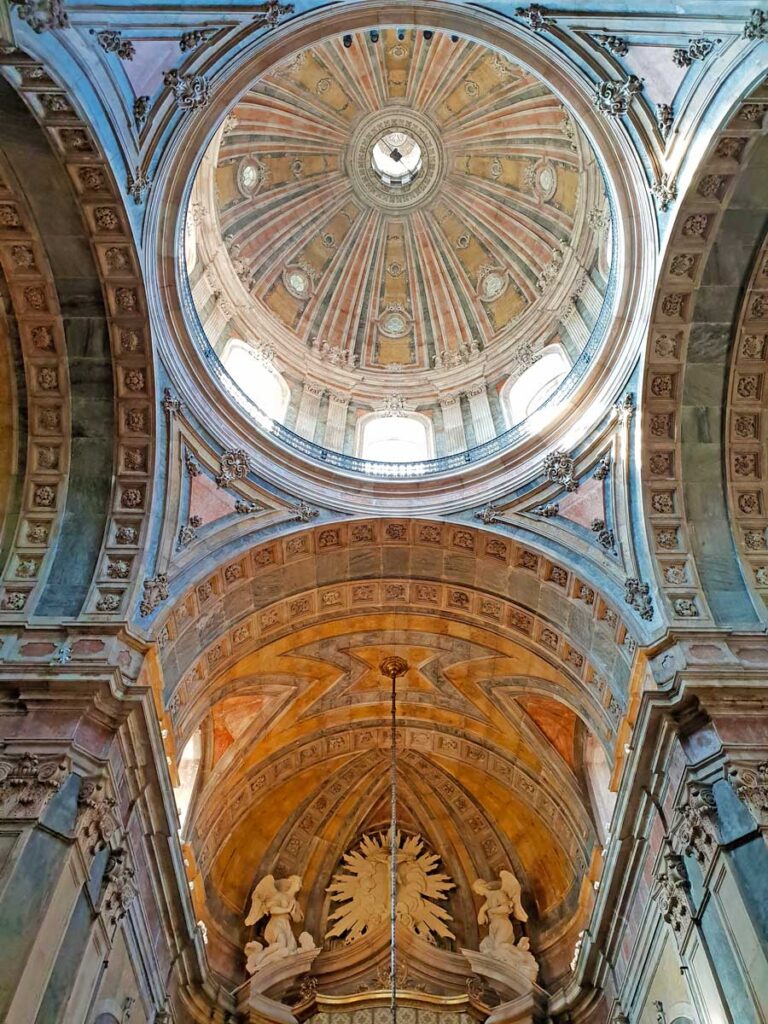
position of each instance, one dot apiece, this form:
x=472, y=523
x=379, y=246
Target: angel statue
x=502, y=901
x=277, y=898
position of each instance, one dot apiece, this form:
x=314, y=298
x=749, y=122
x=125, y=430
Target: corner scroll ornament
x=671, y=893
x=97, y=821
x=638, y=596
x=155, y=592
x=119, y=888
x=170, y=404
x=536, y=17
x=363, y=889
x=489, y=515
x=189, y=91
x=42, y=15
x=27, y=783
x=559, y=467
x=664, y=191
x=750, y=784
x=270, y=13
x=302, y=513
x=612, y=99
x=625, y=408
x=696, y=831
x=756, y=26
x=235, y=465
x=137, y=184
x=276, y=899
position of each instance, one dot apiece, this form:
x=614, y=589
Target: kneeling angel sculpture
x=277, y=898
x=502, y=901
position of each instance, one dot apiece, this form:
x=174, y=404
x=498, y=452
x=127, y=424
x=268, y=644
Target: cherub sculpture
x=277, y=898
x=502, y=901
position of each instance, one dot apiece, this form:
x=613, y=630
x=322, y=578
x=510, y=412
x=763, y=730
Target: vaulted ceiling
x=465, y=258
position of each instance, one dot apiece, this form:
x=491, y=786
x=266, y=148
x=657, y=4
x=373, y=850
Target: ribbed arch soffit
x=88, y=360
x=685, y=433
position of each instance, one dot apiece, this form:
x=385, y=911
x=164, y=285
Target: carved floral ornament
x=750, y=783
x=27, y=782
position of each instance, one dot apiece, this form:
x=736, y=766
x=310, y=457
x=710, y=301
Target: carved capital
x=750, y=784
x=27, y=782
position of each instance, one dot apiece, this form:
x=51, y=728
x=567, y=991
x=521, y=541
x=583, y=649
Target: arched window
x=523, y=396
x=189, y=763
x=260, y=381
x=384, y=438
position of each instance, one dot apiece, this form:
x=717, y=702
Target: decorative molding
x=41, y=15
x=235, y=465
x=664, y=191
x=140, y=111
x=111, y=41
x=136, y=185
x=672, y=892
x=603, y=468
x=625, y=408
x=170, y=404
x=756, y=26
x=302, y=513
x=97, y=820
x=155, y=592
x=696, y=832
x=536, y=18
x=27, y=783
x=605, y=537
x=638, y=596
x=547, y=511
x=559, y=467
x=190, y=91
x=269, y=13
x=665, y=118
x=614, y=44
x=188, y=532
x=612, y=99
x=191, y=40
x=119, y=888
x=697, y=49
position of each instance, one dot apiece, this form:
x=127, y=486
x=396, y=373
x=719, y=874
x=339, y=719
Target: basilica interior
x=383, y=512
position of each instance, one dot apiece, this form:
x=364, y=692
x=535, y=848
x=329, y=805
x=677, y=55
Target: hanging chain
x=393, y=852
x=392, y=668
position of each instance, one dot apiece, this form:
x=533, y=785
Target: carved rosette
x=27, y=782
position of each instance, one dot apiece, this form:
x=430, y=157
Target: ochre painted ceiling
x=296, y=753
x=335, y=262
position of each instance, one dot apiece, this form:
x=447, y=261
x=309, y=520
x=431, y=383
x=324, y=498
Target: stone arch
x=102, y=341
x=719, y=225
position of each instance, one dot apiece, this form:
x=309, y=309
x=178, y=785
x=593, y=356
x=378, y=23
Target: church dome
x=399, y=246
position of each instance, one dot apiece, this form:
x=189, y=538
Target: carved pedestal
x=513, y=978
x=275, y=978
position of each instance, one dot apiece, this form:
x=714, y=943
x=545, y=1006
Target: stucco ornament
x=363, y=889
x=276, y=898
x=502, y=905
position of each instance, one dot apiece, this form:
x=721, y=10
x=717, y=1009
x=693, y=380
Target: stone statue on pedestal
x=502, y=902
x=276, y=898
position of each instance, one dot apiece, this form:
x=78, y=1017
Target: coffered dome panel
x=400, y=213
